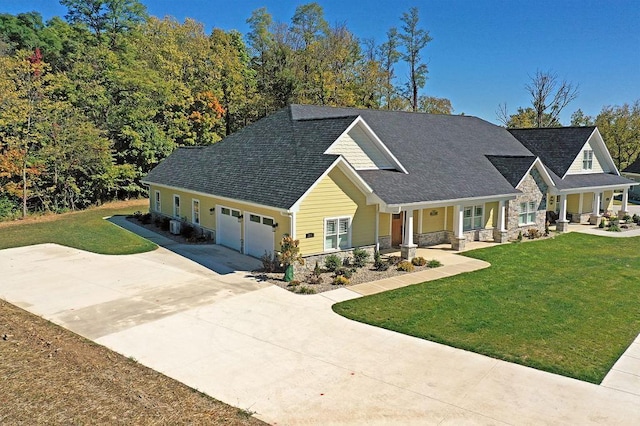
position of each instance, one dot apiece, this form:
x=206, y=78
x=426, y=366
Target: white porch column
x=458, y=239
x=625, y=200
x=595, y=218
x=562, y=224
x=408, y=249
x=500, y=231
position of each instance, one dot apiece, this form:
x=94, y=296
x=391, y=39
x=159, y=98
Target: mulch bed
x=50, y=375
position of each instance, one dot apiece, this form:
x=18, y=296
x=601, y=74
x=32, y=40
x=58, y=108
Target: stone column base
x=408, y=252
x=622, y=214
x=562, y=225
x=500, y=236
x=458, y=244
x=595, y=219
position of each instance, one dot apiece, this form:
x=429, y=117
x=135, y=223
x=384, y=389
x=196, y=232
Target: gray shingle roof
x=271, y=162
x=557, y=147
x=633, y=167
x=590, y=180
x=512, y=168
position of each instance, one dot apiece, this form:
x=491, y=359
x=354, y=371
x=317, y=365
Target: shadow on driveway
x=212, y=256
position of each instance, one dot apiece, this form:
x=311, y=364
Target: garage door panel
x=258, y=235
x=228, y=228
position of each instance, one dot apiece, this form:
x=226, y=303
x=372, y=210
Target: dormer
x=363, y=149
x=593, y=157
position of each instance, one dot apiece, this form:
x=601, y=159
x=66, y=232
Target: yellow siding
x=573, y=203
x=607, y=201
x=334, y=196
x=432, y=222
x=384, y=223
x=450, y=219
x=576, y=166
x=208, y=217
x=587, y=202
x=491, y=214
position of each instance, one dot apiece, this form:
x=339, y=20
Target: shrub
x=405, y=266
x=613, y=228
x=419, y=261
x=145, y=219
x=635, y=218
x=269, y=262
x=345, y=272
x=137, y=215
x=603, y=223
x=316, y=270
x=187, y=230
x=346, y=261
x=340, y=280
x=164, y=223
x=533, y=233
x=332, y=262
x=289, y=254
x=360, y=258
x=378, y=263
x=7, y=207
x=519, y=236
x=314, y=279
x=434, y=263
x=305, y=290
x=626, y=218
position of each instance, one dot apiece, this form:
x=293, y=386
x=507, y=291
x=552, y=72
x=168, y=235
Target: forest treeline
x=91, y=101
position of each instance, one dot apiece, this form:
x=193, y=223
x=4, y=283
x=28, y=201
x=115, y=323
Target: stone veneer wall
x=580, y=217
x=533, y=188
x=384, y=242
x=431, y=238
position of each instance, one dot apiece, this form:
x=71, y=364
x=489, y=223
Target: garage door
x=228, y=228
x=259, y=234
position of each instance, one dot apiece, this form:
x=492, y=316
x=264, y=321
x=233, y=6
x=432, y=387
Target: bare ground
x=50, y=375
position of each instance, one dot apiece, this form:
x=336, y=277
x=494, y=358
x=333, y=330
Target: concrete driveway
x=287, y=357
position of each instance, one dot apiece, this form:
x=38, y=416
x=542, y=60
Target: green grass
x=85, y=230
x=567, y=305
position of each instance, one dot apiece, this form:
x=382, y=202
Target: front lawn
x=567, y=305
x=85, y=230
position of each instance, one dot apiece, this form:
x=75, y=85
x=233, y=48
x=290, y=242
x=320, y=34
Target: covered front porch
x=455, y=225
x=586, y=206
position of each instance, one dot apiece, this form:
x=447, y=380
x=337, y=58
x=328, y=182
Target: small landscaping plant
x=635, y=218
x=187, y=231
x=346, y=262
x=345, y=272
x=304, y=290
x=533, y=233
x=626, y=218
x=378, y=263
x=360, y=258
x=293, y=283
x=519, y=236
x=332, y=262
x=419, y=261
x=316, y=275
x=434, y=263
x=289, y=254
x=613, y=227
x=269, y=262
x=405, y=266
x=340, y=280
x=602, y=224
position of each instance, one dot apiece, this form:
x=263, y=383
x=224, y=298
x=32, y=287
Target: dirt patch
x=50, y=375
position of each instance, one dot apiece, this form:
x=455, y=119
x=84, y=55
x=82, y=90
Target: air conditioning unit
x=174, y=227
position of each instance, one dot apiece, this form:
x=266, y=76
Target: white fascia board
x=359, y=121
x=394, y=208
x=593, y=189
x=211, y=195
x=603, y=148
x=543, y=171
x=348, y=170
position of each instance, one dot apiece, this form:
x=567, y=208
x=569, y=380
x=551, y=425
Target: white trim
x=420, y=214
x=602, y=147
x=527, y=212
x=376, y=140
x=173, y=210
x=157, y=201
x=347, y=169
x=193, y=212
x=473, y=217
x=543, y=171
x=324, y=233
x=620, y=186
x=394, y=208
x=446, y=211
x=219, y=197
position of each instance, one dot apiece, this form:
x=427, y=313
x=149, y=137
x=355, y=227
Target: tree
x=109, y=18
x=435, y=105
x=579, y=118
x=524, y=118
x=620, y=129
x=549, y=96
x=389, y=56
x=413, y=40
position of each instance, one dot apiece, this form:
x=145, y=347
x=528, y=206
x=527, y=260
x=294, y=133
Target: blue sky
x=482, y=51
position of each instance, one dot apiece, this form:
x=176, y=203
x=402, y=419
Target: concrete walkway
x=287, y=357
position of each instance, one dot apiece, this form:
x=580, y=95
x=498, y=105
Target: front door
x=396, y=229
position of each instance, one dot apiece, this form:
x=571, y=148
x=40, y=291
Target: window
x=176, y=206
x=225, y=211
x=587, y=159
x=527, y=213
x=158, y=205
x=472, y=218
x=336, y=233
x=195, y=211
x=254, y=218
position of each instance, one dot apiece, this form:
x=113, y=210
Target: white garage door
x=228, y=228
x=259, y=234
